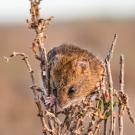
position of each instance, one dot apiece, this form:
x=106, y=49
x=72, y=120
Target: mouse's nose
x=62, y=102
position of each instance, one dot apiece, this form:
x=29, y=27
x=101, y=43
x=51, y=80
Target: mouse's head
x=74, y=74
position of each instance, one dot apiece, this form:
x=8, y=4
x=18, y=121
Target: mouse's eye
x=71, y=90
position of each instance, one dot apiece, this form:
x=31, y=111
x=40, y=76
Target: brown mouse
x=73, y=73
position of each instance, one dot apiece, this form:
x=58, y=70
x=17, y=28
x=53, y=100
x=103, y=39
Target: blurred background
x=88, y=24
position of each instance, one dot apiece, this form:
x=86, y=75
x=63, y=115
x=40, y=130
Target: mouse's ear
x=82, y=64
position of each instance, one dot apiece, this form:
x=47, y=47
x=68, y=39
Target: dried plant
x=86, y=117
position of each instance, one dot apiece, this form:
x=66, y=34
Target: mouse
x=73, y=73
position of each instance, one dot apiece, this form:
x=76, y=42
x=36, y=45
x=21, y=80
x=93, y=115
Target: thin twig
x=109, y=79
x=36, y=97
x=110, y=83
x=121, y=87
x=103, y=88
x=111, y=50
x=132, y=119
x=39, y=25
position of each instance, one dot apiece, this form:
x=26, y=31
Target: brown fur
x=70, y=66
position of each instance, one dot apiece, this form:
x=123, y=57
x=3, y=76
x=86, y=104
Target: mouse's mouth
x=70, y=102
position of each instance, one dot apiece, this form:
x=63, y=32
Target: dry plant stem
x=36, y=97
x=39, y=40
x=103, y=88
x=114, y=123
x=105, y=127
x=110, y=54
x=110, y=81
x=41, y=114
x=121, y=87
x=132, y=119
x=39, y=25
